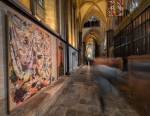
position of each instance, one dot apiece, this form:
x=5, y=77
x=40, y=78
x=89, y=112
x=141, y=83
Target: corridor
x=87, y=92
x=91, y=94
x=74, y=57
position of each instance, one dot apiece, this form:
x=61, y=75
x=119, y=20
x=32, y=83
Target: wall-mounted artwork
x=39, y=9
x=60, y=57
x=115, y=7
x=29, y=59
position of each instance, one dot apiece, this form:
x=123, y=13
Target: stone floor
x=87, y=92
x=90, y=94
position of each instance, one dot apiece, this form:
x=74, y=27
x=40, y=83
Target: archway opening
x=90, y=47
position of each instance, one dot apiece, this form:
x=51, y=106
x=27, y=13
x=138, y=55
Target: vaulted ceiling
x=88, y=8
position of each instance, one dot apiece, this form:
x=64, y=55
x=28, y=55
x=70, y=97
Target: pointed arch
x=93, y=4
x=89, y=14
x=93, y=32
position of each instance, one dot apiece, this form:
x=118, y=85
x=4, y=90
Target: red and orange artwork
x=115, y=7
x=60, y=57
x=29, y=59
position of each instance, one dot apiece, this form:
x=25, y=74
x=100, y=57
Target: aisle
x=90, y=94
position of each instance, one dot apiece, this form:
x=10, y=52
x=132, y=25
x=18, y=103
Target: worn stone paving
x=89, y=95
x=80, y=98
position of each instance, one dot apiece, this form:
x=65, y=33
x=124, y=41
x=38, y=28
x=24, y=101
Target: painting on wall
x=60, y=58
x=29, y=60
x=115, y=7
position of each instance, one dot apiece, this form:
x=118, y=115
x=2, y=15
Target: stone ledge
x=39, y=103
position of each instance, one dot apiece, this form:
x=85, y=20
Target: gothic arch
x=92, y=6
x=93, y=32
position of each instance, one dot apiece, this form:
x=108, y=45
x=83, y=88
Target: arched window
x=92, y=22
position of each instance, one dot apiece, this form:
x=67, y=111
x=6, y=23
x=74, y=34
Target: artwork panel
x=115, y=7
x=31, y=57
x=60, y=58
x=54, y=59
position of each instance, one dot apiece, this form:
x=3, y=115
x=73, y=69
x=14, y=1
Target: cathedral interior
x=74, y=57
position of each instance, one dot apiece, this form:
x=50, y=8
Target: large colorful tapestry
x=30, y=59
